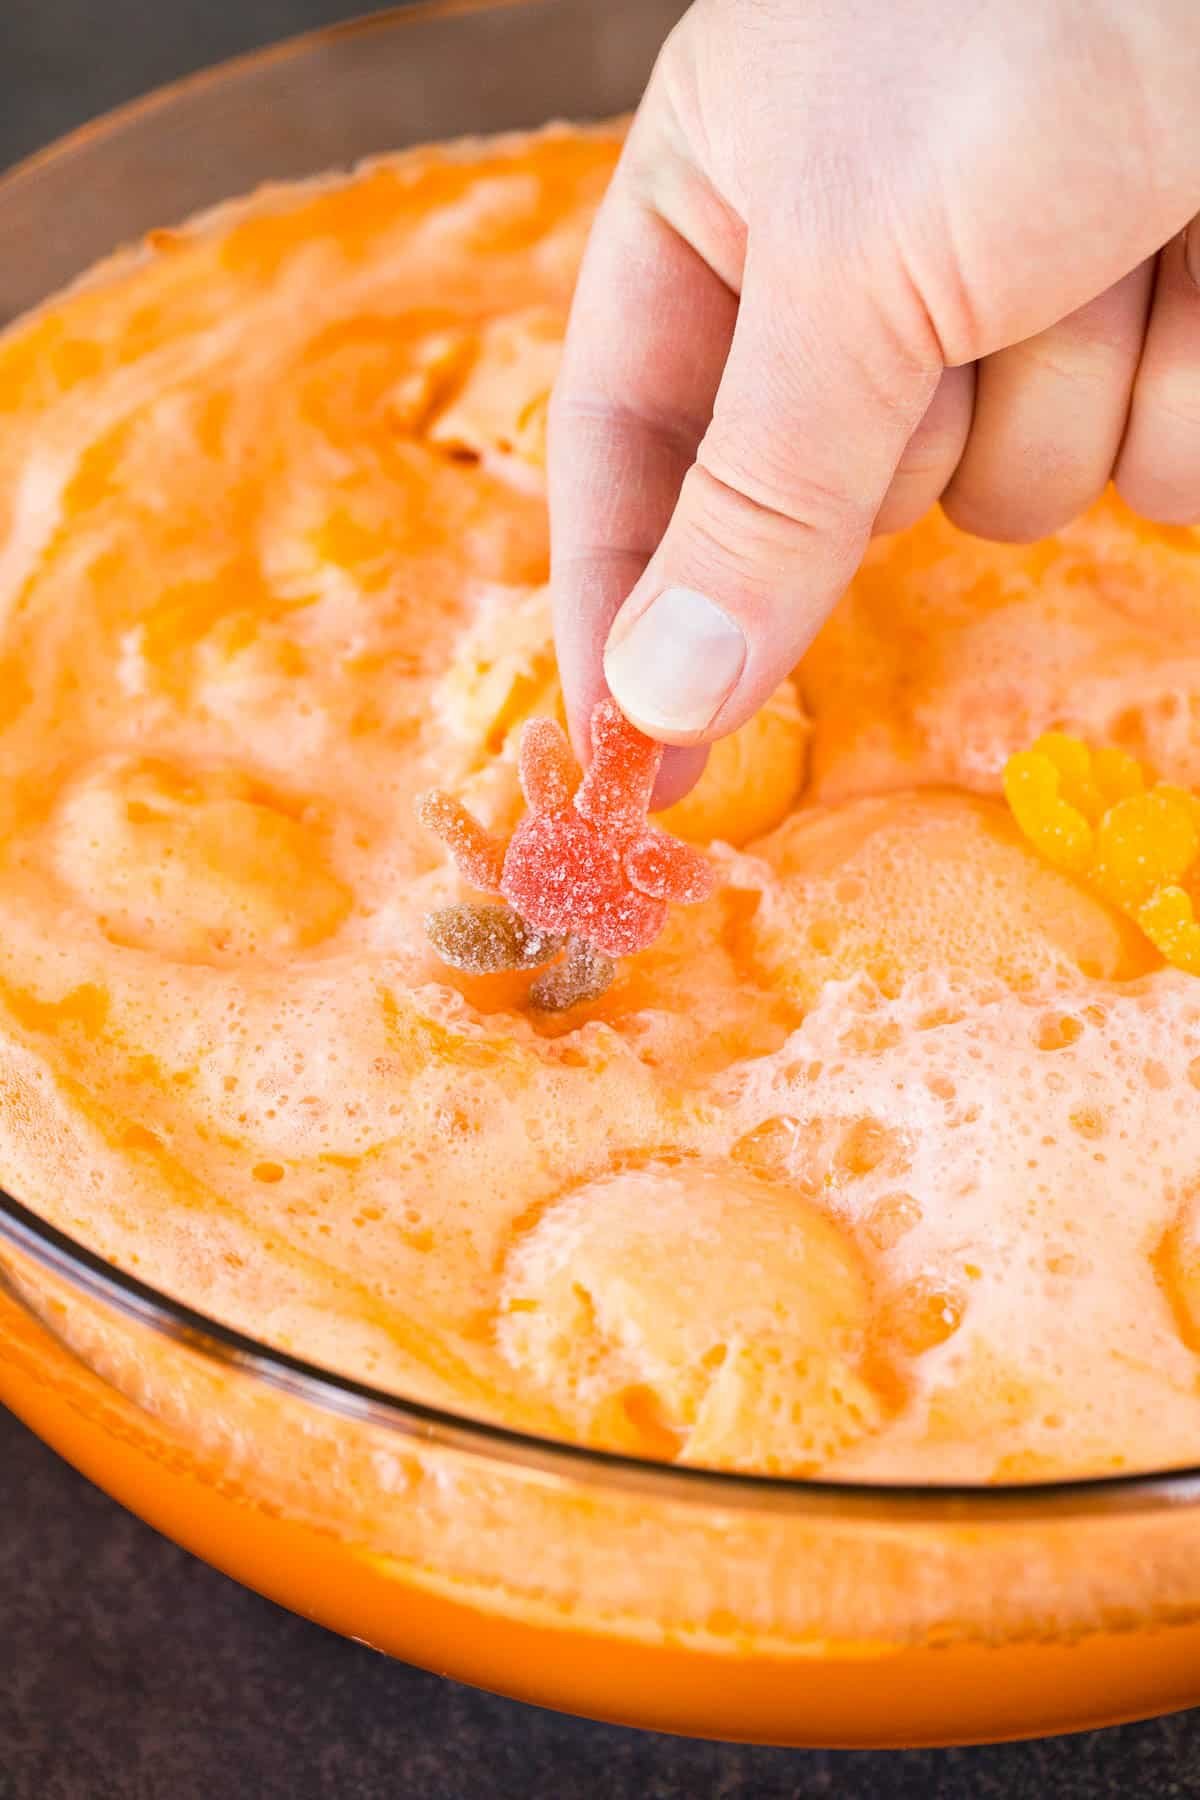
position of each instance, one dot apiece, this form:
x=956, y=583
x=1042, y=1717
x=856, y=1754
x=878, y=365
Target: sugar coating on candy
x=583, y=863
x=669, y=869
x=615, y=793
x=562, y=876
x=582, y=975
x=483, y=940
x=568, y=867
x=1092, y=814
x=557, y=868
x=549, y=773
x=478, y=855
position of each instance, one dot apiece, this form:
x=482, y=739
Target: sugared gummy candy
x=480, y=857
x=482, y=940
x=583, y=865
x=582, y=975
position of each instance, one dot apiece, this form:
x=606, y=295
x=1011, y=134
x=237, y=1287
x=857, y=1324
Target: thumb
x=820, y=394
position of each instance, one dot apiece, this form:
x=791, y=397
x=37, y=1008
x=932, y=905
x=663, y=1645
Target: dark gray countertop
x=129, y=1671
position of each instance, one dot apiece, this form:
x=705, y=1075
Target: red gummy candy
x=583, y=862
x=615, y=793
x=562, y=876
x=670, y=870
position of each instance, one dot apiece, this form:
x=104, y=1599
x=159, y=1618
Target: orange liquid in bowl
x=881, y=1165
x=704, y=1614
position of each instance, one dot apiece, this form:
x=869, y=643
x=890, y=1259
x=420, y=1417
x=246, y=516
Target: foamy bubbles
x=882, y=1159
x=904, y=884
x=198, y=864
x=683, y=1310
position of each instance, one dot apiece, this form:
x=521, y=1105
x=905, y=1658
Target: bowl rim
x=737, y=1490
x=65, y=1257
x=298, y=44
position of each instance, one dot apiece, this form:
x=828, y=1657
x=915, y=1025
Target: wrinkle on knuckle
x=728, y=498
x=726, y=547
x=592, y=555
x=1076, y=358
x=576, y=413
x=935, y=460
x=936, y=315
x=957, y=318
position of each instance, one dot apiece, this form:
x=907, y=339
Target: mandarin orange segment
x=1077, y=783
x=1143, y=844
x=1090, y=813
x=1117, y=774
x=1168, y=919
x=1091, y=780
x=1033, y=789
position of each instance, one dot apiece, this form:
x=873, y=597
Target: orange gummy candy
x=1091, y=814
x=583, y=863
x=480, y=857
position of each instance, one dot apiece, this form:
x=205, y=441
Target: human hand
x=857, y=258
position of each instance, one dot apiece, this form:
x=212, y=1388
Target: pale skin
x=859, y=257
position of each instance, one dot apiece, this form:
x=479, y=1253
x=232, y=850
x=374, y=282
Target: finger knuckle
x=596, y=418
x=1072, y=357
x=770, y=491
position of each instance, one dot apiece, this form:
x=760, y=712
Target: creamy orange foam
x=884, y=1161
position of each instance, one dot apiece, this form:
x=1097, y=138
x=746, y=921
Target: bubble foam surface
x=883, y=1159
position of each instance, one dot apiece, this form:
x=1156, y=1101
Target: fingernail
x=1191, y=250
x=672, y=669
